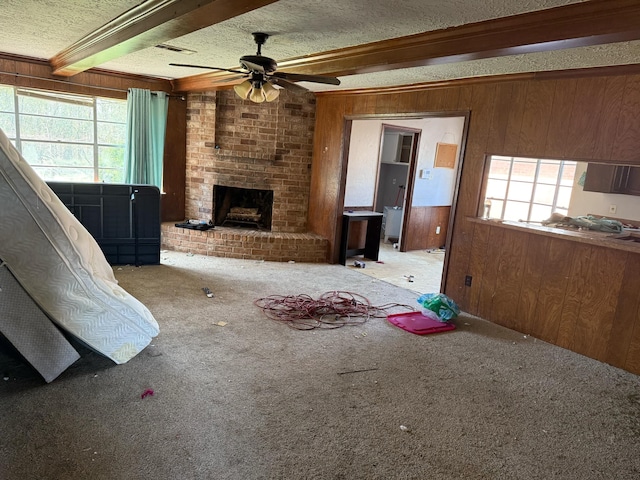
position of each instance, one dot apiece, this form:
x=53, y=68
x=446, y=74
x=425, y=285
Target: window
x=527, y=189
x=66, y=137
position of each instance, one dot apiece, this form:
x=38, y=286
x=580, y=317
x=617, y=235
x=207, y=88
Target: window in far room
x=527, y=189
x=66, y=137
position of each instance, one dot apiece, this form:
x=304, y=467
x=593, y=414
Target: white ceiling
x=43, y=28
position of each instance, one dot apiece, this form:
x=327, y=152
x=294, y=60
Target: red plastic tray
x=417, y=323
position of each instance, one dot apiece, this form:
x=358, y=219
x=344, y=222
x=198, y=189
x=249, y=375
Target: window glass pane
x=111, y=110
x=496, y=188
x=7, y=103
x=516, y=211
x=562, y=211
x=70, y=174
x=520, y=191
x=544, y=194
x=499, y=168
x=111, y=133
x=548, y=172
x=47, y=128
x=112, y=159
x=540, y=212
x=81, y=108
x=58, y=154
x=109, y=175
x=568, y=173
x=523, y=170
x=564, y=197
x=495, y=209
x=8, y=124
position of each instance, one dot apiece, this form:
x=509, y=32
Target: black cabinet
x=621, y=179
x=372, y=242
x=123, y=219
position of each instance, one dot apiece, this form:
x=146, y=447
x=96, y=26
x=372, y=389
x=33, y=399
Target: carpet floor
x=240, y=396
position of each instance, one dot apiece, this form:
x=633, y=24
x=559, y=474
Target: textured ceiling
x=42, y=28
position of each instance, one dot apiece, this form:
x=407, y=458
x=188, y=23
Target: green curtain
x=146, y=126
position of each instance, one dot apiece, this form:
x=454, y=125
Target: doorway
x=429, y=197
x=398, y=149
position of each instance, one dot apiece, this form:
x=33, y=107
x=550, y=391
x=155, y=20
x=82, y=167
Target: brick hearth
x=267, y=146
x=247, y=244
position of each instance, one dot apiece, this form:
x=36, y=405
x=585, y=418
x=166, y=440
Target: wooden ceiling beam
x=581, y=24
x=146, y=25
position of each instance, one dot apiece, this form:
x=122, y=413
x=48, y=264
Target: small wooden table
x=372, y=241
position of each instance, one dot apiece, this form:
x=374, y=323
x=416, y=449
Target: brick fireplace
x=266, y=147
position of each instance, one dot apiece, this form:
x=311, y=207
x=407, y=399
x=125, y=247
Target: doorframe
x=411, y=168
x=346, y=140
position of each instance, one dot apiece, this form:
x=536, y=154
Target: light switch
x=426, y=174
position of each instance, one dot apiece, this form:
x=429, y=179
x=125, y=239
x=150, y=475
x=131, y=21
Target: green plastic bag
x=438, y=306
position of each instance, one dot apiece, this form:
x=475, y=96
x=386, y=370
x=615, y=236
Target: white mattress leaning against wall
x=60, y=265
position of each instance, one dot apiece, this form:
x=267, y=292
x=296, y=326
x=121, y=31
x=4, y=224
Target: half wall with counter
x=578, y=290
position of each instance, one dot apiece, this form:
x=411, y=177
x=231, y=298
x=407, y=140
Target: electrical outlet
x=467, y=280
x=612, y=208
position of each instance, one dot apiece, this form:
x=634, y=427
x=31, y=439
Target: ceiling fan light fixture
x=257, y=94
x=243, y=89
x=270, y=92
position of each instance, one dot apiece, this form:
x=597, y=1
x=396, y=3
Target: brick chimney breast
x=238, y=143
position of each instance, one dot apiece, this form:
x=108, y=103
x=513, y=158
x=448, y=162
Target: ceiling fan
x=261, y=74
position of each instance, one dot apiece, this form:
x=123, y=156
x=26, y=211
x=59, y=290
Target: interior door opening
x=415, y=177
x=398, y=148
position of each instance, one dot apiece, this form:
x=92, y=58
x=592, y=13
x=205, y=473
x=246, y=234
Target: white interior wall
x=437, y=189
x=364, y=154
x=362, y=167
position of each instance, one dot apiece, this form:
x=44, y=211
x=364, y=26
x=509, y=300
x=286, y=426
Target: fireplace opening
x=242, y=207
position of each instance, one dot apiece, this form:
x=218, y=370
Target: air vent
x=173, y=48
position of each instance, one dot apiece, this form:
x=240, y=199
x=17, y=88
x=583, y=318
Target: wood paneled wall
x=175, y=161
x=423, y=225
x=578, y=296
x=583, y=115
x=34, y=73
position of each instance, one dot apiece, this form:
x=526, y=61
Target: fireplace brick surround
x=238, y=143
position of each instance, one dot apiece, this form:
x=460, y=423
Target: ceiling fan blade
x=209, y=68
x=281, y=82
x=300, y=77
x=231, y=78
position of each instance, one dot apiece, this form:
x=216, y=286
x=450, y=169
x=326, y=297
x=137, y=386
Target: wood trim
x=146, y=25
x=614, y=70
x=576, y=25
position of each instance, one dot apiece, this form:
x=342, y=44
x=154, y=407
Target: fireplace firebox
x=242, y=207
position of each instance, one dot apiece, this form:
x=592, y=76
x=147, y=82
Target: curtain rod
x=33, y=77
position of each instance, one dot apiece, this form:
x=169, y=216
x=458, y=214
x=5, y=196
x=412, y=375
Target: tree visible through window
x=66, y=137
x=527, y=189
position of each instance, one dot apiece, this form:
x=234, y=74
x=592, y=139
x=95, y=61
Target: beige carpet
x=255, y=399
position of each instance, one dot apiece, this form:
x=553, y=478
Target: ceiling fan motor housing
x=269, y=65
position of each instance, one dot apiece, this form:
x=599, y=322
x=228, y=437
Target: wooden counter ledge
x=590, y=237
